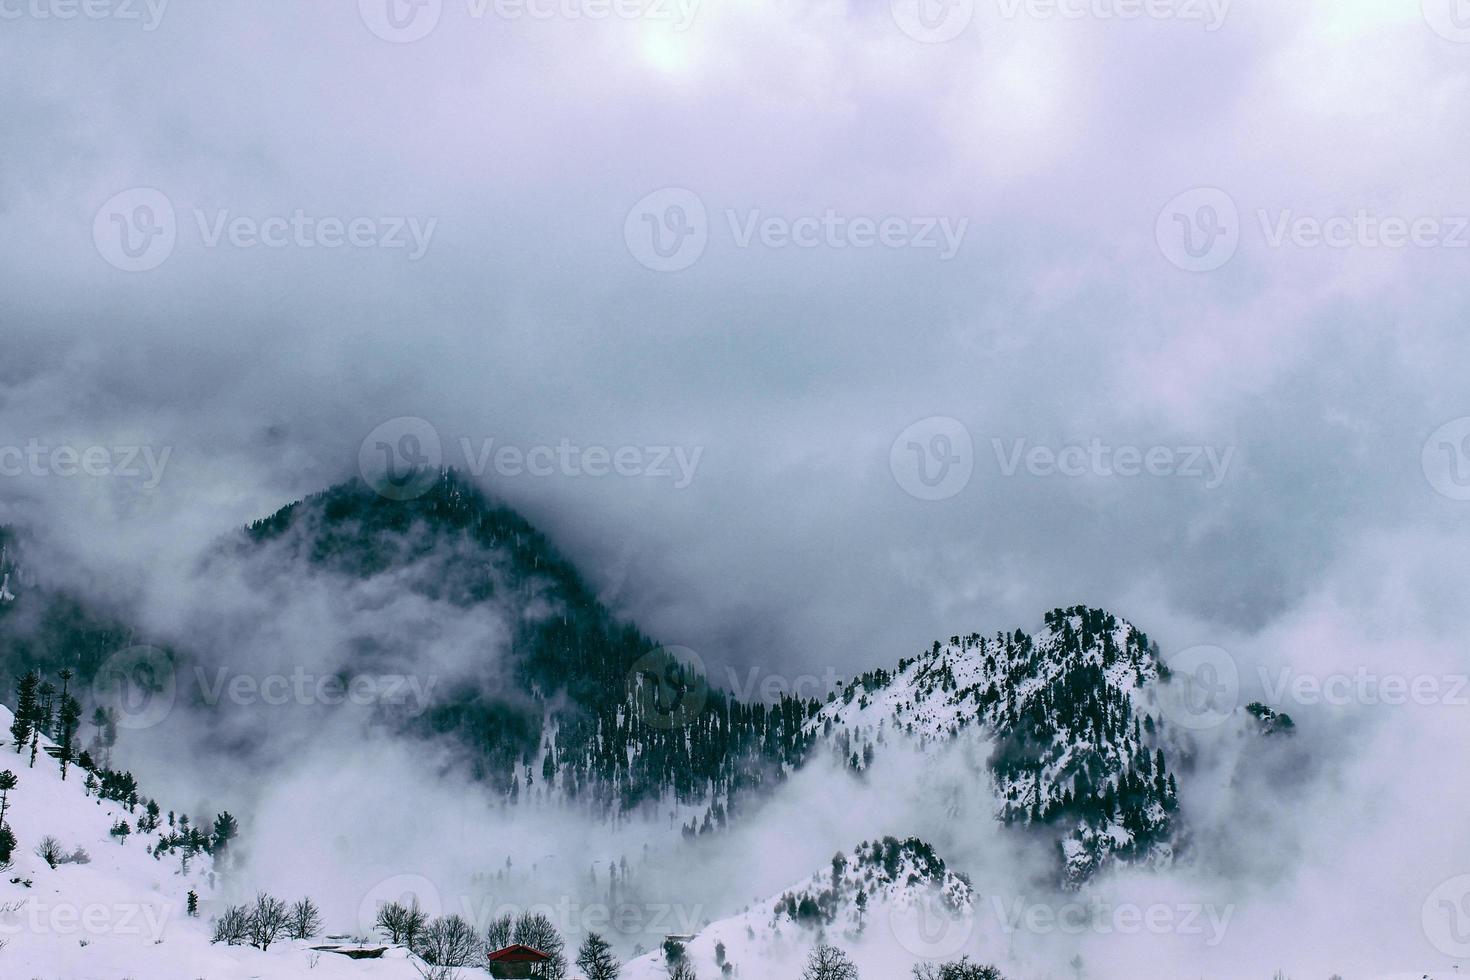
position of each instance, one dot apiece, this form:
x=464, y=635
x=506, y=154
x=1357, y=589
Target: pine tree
x=193, y=904
x=25, y=710
x=105, y=721
x=70, y=721
x=46, y=711
x=225, y=830
x=41, y=717
x=7, y=783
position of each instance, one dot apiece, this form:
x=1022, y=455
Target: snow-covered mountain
x=549, y=700
x=548, y=697
x=1079, y=740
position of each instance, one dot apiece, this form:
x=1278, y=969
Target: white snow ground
x=122, y=915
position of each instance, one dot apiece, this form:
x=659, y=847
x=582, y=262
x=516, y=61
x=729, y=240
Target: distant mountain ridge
x=583, y=708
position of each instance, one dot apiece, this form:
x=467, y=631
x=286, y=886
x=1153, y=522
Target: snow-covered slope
x=1079, y=743
x=122, y=913
x=867, y=893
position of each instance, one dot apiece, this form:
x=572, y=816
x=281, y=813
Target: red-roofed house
x=517, y=962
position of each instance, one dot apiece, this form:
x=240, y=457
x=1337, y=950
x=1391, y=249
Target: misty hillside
x=46, y=626
x=547, y=697
x=561, y=707
x=1079, y=742
x=555, y=703
x=870, y=891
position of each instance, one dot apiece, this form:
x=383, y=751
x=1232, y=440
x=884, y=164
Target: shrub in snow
x=49, y=850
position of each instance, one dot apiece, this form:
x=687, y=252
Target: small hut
x=517, y=962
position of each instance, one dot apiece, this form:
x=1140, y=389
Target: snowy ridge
x=1077, y=744
x=840, y=903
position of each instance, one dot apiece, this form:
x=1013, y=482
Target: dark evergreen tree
x=66, y=731
x=25, y=710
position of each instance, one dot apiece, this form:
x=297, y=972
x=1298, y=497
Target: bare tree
x=304, y=920
x=534, y=929
x=501, y=932
x=827, y=962
x=231, y=926
x=431, y=972
x=682, y=970
x=961, y=969
x=595, y=959
x=401, y=923
x=448, y=941
x=267, y=921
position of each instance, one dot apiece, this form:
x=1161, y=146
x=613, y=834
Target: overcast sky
x=889, y=267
